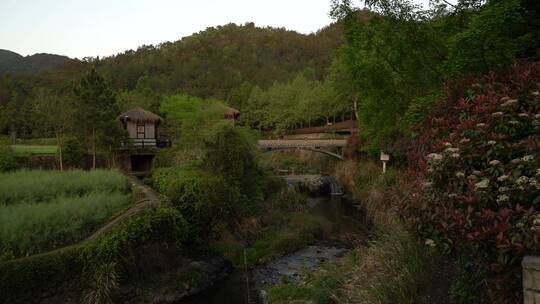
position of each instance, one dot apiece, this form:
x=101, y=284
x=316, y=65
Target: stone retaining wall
x=531, y=280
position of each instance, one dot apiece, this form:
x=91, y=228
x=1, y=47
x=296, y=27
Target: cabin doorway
x=141, y=164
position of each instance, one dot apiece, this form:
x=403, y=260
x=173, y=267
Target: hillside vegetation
x=13, y=63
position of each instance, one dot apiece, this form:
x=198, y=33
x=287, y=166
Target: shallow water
x=345, y=219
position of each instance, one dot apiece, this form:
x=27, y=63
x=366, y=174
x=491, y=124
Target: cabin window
x=140, y=130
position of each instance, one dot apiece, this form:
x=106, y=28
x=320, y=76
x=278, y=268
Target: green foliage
x=469, y=284
x=21, y=280
x=397, y=57
x=74, y=152
x=117, y=245
x=43, y=210
x=8, y=161
x=251, y=54
x=105, y=282
x=193, y=119
x=286, y=233
x=97, y=110
x=205, y=199
x=143, y=96
x=290, y=232
x=494, y=37
x=296, y=103
x=43, y=186
x=322, y=287
x=30, y=228
x=26, y=150
x=478, y=189
x=231, y=155
x=291, y=200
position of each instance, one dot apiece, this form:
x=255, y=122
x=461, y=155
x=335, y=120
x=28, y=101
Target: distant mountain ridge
x=13, y=63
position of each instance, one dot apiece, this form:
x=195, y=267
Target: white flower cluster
x=509, y=102
x=534, y=183
x=522, y=181
x=494, y=162
x=497, y=114
x=430, y=243
x=435, y=156
x=527, y=158
x=502, y=178
x=481, y=125
x=502, y=198
x=491, y=142
x=451, y=150
x=483, y=184
x=523, y=115
x=460, y=174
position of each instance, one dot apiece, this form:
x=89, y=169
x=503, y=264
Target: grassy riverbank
x=275, y=235
x=391, y=269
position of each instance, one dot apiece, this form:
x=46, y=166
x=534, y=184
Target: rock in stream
x=291, y=267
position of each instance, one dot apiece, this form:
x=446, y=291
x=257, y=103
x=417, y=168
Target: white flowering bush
x=479, y=180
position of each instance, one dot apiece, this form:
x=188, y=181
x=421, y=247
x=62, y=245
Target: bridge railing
x=302, y=143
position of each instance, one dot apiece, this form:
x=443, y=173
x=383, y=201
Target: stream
x=345, y=221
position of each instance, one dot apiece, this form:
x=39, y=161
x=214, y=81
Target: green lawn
x=34, y=149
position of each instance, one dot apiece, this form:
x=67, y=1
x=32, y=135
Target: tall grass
x=395, y=265
x=29, y=228
x=43, y=186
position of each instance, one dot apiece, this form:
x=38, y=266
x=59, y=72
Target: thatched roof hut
x=140, y=115
x=231, y=113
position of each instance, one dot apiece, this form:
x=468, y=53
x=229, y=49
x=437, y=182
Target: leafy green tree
x=192, y=121
x=57, y=112
x=496, y=36
x=292, y=104
x=96, y=112
x=231, y=155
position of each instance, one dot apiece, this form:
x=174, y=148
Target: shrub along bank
x=229, y=201
x=478, y=187
x=67, y=274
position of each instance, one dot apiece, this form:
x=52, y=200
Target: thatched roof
x=140, y=115
x=231, y=112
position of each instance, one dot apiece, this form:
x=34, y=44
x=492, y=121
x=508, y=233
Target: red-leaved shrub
x=478, y=186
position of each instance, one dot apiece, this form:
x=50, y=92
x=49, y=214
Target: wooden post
x=384, y=158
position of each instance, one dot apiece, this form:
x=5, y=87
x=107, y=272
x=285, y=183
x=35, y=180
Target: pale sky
x=78, y=28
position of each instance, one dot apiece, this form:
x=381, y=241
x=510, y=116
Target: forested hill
x=214, y=62
x=13, y=63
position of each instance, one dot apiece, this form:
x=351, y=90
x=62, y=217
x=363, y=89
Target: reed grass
x=43, y=186
x=29, y=228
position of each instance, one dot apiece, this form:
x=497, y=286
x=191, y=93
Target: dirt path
x=152, y=200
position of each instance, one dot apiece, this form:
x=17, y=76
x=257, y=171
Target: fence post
x=531, y=279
